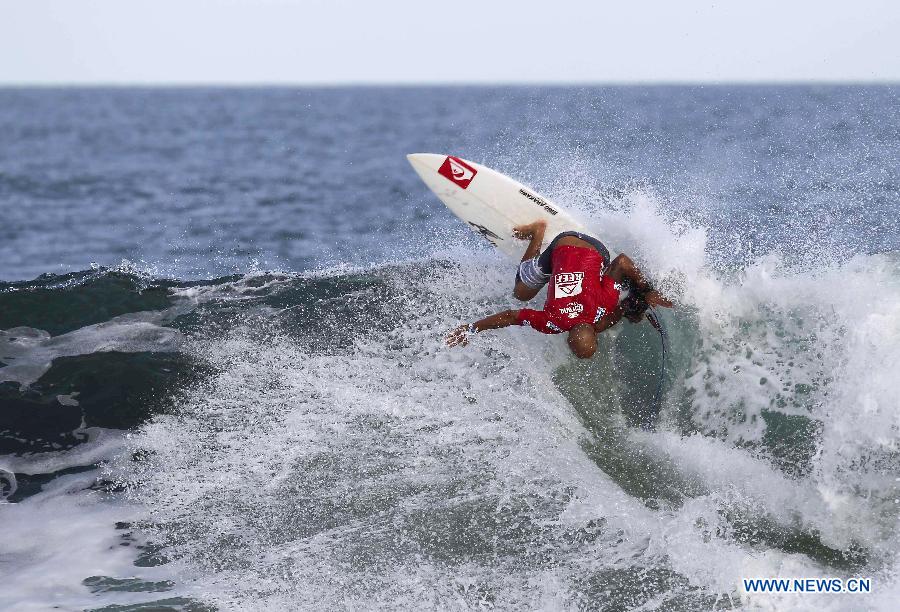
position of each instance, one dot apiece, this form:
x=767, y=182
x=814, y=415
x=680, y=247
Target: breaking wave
x=296, y=439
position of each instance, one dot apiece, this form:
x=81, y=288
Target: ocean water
x=223, y=384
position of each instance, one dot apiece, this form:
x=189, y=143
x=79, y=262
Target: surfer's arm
x=623, y=268
x=460, y=335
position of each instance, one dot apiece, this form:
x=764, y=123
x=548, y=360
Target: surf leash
x=664, y=339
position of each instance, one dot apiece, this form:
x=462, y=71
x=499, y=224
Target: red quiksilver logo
x=457, y=171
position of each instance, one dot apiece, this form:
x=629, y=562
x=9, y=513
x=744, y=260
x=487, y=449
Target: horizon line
x=449, y=83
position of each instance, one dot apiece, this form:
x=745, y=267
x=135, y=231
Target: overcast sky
x=414, y=41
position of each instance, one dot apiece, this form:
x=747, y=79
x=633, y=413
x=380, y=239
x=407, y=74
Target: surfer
x=583, y=292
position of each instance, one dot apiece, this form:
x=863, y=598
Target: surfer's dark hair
x=635, y=305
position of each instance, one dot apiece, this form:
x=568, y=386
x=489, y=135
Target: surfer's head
x=583, y=340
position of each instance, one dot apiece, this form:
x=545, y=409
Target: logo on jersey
x=457, y=171
x=572, y=310
x=567, y=284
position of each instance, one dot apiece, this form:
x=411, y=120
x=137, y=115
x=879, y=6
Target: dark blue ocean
x=223, y=383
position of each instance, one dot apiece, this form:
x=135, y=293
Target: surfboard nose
x=431, y=161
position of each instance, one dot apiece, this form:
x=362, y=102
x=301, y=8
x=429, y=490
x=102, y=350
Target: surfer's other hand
x=459, y=336
x=654, y=298
x=524, y=232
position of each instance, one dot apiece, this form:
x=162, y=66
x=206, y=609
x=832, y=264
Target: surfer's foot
x=525, y=232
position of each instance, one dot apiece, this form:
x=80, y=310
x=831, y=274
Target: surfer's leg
x=534, y=234
x=529, y=278
x=523, y=291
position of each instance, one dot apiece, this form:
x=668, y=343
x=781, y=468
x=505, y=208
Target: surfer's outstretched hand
x=459, y=336
x=525, y=232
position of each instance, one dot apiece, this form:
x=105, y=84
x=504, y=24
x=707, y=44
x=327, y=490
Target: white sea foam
x=53, y=541
x=98, y=445
x=30, y=352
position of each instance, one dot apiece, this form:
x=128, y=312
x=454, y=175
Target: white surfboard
x=490, y=202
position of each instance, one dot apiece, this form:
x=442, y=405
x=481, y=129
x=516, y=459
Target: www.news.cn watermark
x=807, y=585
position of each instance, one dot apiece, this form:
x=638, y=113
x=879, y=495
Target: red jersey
x=578, y=292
